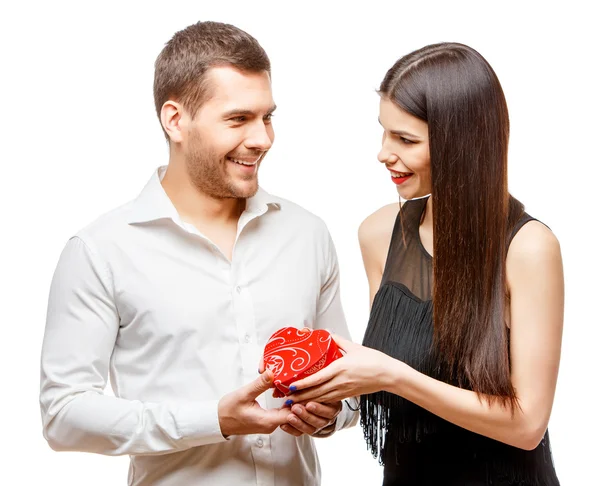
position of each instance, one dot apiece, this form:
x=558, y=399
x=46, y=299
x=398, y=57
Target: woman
x=459, y=362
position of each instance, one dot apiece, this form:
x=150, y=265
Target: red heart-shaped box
x=292, y=354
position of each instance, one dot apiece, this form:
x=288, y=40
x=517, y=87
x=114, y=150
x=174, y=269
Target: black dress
x=416, y=447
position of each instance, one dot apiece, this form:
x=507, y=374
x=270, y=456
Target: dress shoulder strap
x=526, y=218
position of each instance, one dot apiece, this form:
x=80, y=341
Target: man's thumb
x=260, y=385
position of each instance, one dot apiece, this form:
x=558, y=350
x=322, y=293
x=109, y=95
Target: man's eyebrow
x=245, y=112
x=401, y=133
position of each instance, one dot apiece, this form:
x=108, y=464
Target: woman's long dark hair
x=453, y=88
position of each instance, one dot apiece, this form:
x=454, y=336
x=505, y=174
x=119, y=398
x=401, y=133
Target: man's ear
x=172, y=120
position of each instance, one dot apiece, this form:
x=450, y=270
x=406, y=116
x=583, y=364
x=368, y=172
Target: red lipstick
x=400, y=180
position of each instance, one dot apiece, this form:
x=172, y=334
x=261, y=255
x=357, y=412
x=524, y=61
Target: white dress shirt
x=145, y=296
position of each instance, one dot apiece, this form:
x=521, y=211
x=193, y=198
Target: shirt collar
x=262, y=201
x=153, y=203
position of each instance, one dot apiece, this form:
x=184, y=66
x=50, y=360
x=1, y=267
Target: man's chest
x=182, y=293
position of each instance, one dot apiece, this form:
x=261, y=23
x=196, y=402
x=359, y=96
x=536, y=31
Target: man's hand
x=240, y=413
x=311, y=418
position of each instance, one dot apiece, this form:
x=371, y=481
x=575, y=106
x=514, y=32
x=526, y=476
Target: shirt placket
x=244, y=315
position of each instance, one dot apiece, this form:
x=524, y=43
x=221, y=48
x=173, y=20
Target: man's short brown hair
x=180, y=69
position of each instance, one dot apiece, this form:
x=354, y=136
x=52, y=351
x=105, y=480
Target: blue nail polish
x=293, y=388
x=289, y=403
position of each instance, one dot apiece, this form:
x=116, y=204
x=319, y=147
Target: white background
x=79, y=137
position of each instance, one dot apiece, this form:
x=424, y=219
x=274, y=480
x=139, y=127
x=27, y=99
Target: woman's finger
x=315, y=394
x=330, y=396
x=316, y=379
x=308, y=395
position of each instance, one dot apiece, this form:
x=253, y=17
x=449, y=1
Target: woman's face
x=405, y=150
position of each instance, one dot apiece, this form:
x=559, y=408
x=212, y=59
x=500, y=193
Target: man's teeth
x=241, y=162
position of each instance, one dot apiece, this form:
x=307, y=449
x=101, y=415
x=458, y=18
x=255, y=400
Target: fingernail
x=293, y=388
x=310, y=408
x=288, y=403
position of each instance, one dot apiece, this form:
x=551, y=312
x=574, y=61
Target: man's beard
x=208, y=172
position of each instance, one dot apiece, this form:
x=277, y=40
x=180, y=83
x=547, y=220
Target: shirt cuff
x=348, y=417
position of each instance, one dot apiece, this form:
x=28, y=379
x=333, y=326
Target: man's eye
x=238, y=119
x=268, y=117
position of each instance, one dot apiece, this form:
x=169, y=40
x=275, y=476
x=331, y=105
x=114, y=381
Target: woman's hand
x=360, y=371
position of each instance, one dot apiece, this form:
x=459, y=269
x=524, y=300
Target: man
x=176, y=293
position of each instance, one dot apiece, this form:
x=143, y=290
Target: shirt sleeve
x=330, y=316
x=81, y=329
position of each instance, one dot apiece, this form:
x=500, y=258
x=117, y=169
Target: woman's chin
x=407, y=193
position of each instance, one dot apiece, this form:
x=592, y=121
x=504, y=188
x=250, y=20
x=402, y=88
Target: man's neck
x=195, y=206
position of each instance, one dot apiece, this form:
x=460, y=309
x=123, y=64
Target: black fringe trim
x=401, y=325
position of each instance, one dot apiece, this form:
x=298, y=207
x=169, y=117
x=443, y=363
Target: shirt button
x=259, y=443
x=238, y=289
x=247, y=338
